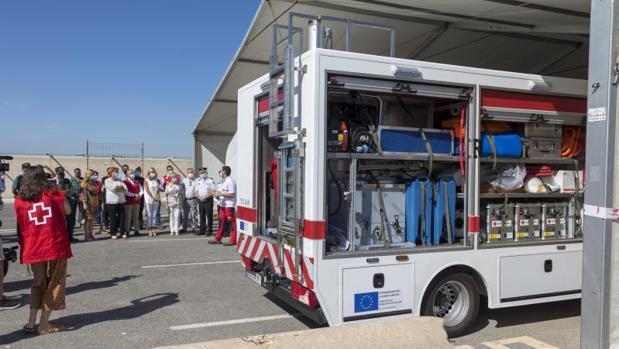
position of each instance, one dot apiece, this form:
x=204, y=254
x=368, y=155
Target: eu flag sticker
x=366, y=302
x=242, y=225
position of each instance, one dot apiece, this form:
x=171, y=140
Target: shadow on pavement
x=527, y=314
x=26, y=284
x=99, y=284
x=139, y=307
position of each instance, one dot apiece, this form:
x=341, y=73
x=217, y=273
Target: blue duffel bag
x=504, y=145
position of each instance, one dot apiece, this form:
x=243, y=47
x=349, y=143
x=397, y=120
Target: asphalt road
x=145, y=292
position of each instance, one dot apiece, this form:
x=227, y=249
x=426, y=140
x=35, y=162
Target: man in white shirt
x=204, y=190
x=190, y=202
x=227, y=202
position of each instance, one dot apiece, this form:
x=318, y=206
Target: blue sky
x=117, y=71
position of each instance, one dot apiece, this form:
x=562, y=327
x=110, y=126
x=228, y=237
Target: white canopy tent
x=548, y=37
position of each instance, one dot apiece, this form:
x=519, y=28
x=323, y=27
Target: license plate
x=257, y=278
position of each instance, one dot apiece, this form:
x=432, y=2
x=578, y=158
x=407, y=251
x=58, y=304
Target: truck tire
x=455, y=299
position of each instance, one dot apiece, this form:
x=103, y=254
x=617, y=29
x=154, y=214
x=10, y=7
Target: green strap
x=428, y=150
x=447, y=213
x=422, y=228
x=492, y=149
x=577, y=196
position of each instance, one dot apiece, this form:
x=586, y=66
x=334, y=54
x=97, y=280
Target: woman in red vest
x=44, y=245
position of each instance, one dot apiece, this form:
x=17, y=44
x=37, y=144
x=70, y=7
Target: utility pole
x=600, y=277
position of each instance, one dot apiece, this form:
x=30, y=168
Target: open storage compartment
x=394, y=164
x=536, y=195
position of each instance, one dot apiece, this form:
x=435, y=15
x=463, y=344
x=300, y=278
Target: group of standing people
x=46, y=205
x=117, y=201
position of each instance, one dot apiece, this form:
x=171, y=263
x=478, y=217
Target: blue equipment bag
x=506, y=145
x=410, y=140
x=444, y=224
x=418, y=206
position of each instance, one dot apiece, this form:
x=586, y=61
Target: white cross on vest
x=39, y=213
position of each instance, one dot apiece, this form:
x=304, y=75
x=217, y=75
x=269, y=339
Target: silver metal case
x=540, y=147
x=543, y=130
x=499, y=222
x=527, y=219
x=554, y=220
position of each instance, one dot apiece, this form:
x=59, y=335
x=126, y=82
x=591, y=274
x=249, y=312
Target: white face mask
x=152, y=176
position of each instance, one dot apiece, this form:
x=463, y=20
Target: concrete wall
x=98, y=164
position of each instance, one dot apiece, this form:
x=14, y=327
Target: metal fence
x=100, y=156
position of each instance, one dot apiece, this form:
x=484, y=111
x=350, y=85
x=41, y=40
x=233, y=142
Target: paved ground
x=144, y=292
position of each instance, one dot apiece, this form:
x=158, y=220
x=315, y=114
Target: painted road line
x=238, y=261
x=526, y=340
x=464, y=347
x=165, y=239
x=233, y=322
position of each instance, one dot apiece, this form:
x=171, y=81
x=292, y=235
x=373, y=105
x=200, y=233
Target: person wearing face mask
x=169, y=175
x=152, y=188
x=134, y=195
x=140, y=179
x=90, y=198
x=190, y=201
x=71, y=198
x=115, y=200
x=174, y=198
x=226, y=195
x=205, y=187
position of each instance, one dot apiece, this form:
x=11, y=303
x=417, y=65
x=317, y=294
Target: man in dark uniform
x=76, y=186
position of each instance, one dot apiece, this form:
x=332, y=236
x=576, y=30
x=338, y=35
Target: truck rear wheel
x=455, y=299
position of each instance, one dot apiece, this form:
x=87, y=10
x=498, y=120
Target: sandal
x=51, y=329
x=29, y=330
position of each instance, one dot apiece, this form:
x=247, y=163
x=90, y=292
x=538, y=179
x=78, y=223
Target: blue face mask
x=93, y=178
x=132, y=176
x=138, y=173
x=204, y=175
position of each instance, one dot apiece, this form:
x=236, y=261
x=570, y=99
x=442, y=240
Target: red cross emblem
x=39, y=213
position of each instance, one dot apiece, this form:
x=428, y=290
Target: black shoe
x=136, y=233
x=214, y=242
x=73, y=240
x=7, y=304
x=209, y=234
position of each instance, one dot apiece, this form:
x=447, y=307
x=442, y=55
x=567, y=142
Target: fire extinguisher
x=342, y=136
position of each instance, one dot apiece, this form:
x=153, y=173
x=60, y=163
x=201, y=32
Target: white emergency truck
x=373, y=187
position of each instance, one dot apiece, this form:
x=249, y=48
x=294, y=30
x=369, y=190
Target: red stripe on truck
x=314, y=230
x=246, y=213
x=513, y=100
x=473, y=224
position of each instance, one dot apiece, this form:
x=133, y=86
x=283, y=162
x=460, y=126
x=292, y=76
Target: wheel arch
x=480, y=282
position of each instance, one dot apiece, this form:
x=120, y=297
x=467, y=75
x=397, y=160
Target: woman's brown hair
x=33, y=184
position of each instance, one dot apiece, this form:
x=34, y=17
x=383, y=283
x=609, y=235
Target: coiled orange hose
x=572, y=142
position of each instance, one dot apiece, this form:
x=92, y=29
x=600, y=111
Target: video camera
x=4, y=167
